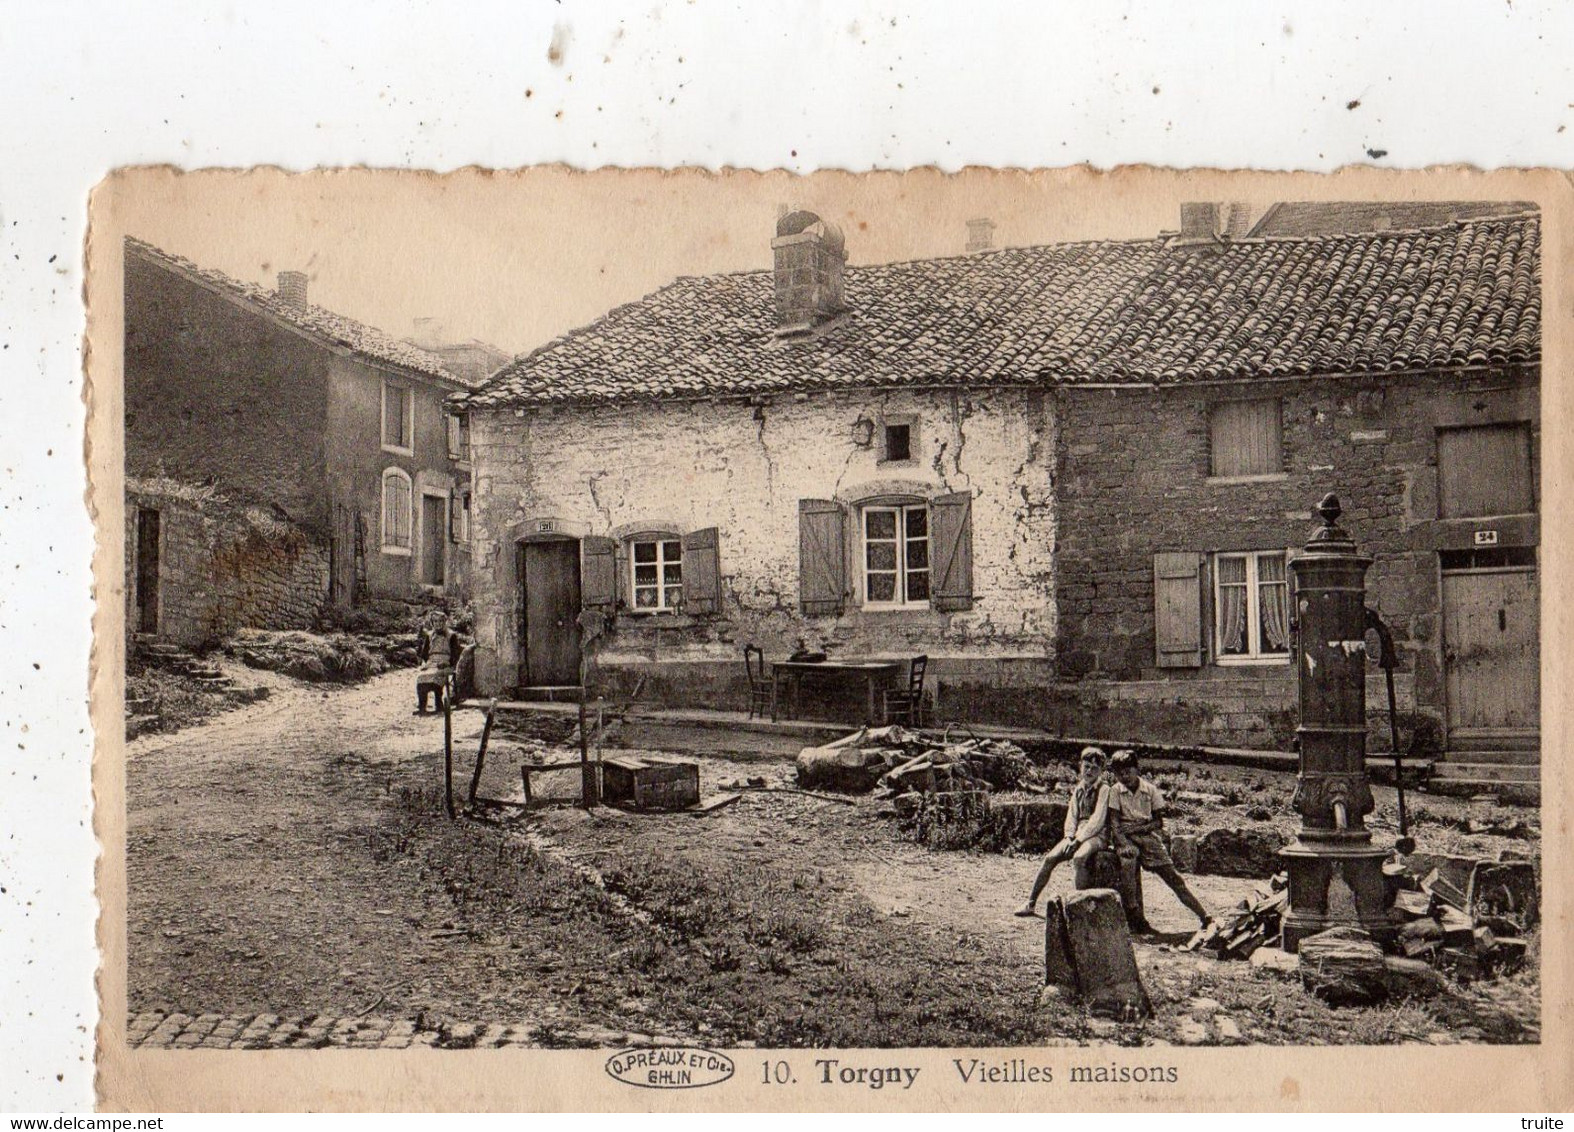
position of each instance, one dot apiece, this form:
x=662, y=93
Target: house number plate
x=1486, y=538
x=545, y=527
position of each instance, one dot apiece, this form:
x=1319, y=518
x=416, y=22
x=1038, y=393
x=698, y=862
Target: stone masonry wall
x=221, y=571
x=1133, y=476
x=743, y=469
x=216, y=392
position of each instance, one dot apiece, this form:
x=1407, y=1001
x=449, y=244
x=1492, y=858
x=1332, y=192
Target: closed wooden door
x=1490, y=650
x=341, y=565
x=147, y=570
x=434, y=530
x=551, y=630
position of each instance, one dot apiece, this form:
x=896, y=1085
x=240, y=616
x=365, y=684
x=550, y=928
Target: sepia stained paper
x=289, y=920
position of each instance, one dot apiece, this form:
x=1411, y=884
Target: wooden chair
x=762, y=689
x=908, y=703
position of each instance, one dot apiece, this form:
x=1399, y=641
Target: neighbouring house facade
x=1072, y=475
x=472, y=360
x=337, y=428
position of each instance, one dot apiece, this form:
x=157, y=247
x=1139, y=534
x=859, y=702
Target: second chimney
x=810, y=254
x=1199, y=222
x=980, y=234
x=292, y=288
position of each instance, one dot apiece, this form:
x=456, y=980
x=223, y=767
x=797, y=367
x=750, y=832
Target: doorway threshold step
x=550, y=693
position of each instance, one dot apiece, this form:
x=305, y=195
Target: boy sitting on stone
x=1083, y=836
x=1134, y=808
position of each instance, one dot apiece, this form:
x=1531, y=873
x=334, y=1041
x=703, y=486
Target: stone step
x=1486, y=772
x=1509, y=757
x=1494, y=738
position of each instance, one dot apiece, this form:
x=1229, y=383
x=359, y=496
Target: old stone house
x=337, y=428
x=1070, y=474
x=1399, y=368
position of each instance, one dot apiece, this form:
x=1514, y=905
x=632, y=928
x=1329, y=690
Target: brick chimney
x=292, y=288
x=810, y=254
x=1199, y=226
x=980, y=234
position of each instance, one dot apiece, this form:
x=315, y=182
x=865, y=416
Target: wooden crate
x=649, y=784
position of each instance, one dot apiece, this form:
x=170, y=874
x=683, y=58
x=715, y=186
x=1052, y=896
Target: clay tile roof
x=1458, y=294
x=316, y=321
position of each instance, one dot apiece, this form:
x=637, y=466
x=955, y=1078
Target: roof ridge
x=1522, y=216
x=271, y=305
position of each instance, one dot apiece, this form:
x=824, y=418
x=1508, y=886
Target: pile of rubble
x=901, y=762
x=337, y=657
x=1461, y=916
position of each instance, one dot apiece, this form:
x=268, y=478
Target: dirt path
x=247, y=838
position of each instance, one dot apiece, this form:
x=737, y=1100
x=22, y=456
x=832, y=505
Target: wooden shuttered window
x=1245, y=438
x=1177, y=609
x=396, y=510
x=598, y=584
x=701, y=572
x=822, y=557
x=951, y=537
x=1484, y=471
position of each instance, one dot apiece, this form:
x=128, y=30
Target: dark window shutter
x=951, y=546
x=822, y=560
x=598, y=587
x=701, y=572
x=1177, y=610
x=620, y=561
x=1246, y=438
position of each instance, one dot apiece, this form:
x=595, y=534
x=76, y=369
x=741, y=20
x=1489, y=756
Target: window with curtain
x=1251, y=601
x=896, y=555
x=657, y=568
x=1245, y=438
x=396, y=512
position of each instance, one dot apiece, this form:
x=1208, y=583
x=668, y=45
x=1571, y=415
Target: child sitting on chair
x=438, y=648
x=1083, y=835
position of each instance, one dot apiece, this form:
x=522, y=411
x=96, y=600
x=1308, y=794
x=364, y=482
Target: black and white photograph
x=680, y=615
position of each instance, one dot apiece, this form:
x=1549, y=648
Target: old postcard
x=667, y=640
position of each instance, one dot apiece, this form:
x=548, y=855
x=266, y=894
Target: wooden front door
x=1491, y=654
x=550, y=575
x=147, y=570
x=434, y=531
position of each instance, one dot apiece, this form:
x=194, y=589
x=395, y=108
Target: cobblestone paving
x=158, y=1030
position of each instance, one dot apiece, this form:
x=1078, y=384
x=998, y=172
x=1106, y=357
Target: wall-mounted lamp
x=863, y=432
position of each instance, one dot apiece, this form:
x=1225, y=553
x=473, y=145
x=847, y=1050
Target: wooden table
x=876, y=675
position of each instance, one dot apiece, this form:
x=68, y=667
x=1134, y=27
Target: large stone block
x=1097, y=946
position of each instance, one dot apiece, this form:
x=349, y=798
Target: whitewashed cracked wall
x=743, y=468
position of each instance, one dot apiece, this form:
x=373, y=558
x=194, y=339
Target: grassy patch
x=732, y=952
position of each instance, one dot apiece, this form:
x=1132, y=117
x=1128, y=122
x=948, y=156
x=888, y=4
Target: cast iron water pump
x=1336, y=873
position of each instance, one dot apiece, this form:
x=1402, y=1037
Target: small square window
x=898, y=442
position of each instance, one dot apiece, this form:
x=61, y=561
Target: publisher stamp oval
x=679, y=1067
